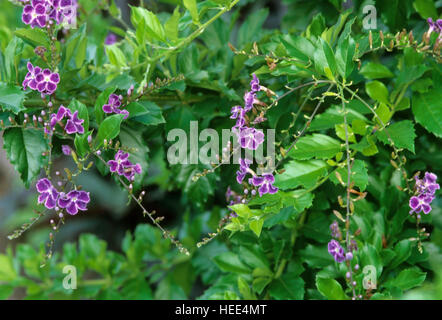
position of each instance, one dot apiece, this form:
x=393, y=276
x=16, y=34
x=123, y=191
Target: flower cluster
x=123, y=167
x=113, y=106
x=248, y=137
x=434, y=26
x=73, y=124
x=251, y=138
x=334, y=247
x=425, y=190
x=40, y=13
x=45, y=81
x=72, y=201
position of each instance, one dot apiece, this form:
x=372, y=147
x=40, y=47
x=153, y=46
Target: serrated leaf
x=317, y=146
x=304, y=173
x=402, y=133
x=427, y=110
x=12, y=98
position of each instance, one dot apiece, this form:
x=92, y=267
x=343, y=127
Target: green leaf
x=36, y=37
x=109, y=129
x=304, y=173
x=116, y=56
x=193, y=9
x=383, y=113
x=344, y=57
x=340, y=132
x=288, y=287
x=256, y=226
x=12, y=98
x=426, y=8
x=369, y=256
x=331, y=289
x=315, y=256
x=252, y=26
x=7, y=272
x=333, y=116
x=298, y=47
x=145, y=112
x=325, y=61
x=427, y=110
x=24, y=148
x=374, y=70
x=154, y=29
x=402, y=251
x=230, y=262
x=317, y=146
x=377, y=91
x=402, y=133
x=81, y=144
x=407, y=279
x=171, y=25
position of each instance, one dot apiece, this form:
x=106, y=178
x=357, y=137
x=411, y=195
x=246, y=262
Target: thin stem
x=166, y=234
x=307, y=125
x=347, y=218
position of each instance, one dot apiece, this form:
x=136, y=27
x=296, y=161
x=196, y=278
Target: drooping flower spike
x=425, y=193
x=73, y=124
x=123, y=166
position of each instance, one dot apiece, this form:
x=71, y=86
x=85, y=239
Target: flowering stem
x=347, y=218
x=166, y=233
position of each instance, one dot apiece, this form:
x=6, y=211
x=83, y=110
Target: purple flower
x=48, y=194
x=110, y=39
x=73, y=201
x=63, y=9
x=254, y=84
x=249, y=98
x=421, y=203
x=57, y=117
x=47, y=81
x=74, y=124
x=35, y=14
x=265, y=183
x=250, y=138
x=66, y=150
x=425, y=190
x=243, y=169
x=113, y=106
x=123, y=167
x=30, y=78
x=335, y=231
x=335, y=249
